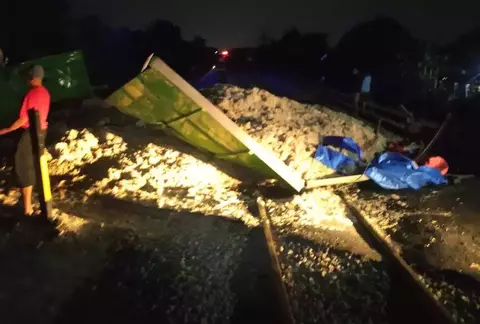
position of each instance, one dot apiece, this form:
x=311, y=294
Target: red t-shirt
x=38, y=98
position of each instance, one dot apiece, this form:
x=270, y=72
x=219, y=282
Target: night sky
x=240, y=23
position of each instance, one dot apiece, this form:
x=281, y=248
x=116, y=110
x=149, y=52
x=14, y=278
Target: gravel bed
x=332, y=286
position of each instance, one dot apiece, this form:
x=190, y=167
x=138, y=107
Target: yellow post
x=41, y=166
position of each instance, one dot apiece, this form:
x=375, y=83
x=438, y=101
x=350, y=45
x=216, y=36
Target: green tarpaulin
x=65, y=77
x=160, y=96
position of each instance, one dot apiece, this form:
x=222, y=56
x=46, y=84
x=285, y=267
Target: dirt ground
x=125, y=262
x=130, y=263
x=112, y=260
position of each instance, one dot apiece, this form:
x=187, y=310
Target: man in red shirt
x=37, y=98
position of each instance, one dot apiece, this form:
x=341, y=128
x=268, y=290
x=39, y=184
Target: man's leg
x=27, y=200
x=25, y=170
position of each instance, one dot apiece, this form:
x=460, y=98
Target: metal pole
x=421, y=155
x=40, y=162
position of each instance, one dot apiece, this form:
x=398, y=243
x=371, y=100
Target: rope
x=434, y=139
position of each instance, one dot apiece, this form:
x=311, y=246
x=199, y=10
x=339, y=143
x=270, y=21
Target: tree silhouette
x=33, y=28
x=382, y=48
x=464, y=54
x=264, y=40
x=199, y=42
x=294, y=52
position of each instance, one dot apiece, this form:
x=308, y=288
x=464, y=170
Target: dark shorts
x=25, y=161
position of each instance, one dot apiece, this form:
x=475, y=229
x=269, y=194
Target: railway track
x=420, y=304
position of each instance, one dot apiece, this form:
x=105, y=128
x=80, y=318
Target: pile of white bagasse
x=293, y=130
x=167, y=178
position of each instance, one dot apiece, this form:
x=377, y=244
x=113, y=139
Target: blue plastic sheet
x=335, y=159
x=390, y=170
x=395, y=171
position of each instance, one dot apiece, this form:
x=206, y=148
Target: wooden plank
x=312, y=184
x=291, y=178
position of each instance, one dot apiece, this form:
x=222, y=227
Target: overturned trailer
x=66, y=78
x=159, y=96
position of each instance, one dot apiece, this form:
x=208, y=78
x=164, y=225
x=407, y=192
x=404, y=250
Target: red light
x=224, y=53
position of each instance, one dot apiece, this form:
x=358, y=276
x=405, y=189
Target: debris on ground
x=293, y=130
x=168, y=178
x=68, y=223
x=321, y=209
x=154, y=175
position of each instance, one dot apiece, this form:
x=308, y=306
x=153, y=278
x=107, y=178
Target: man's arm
x=16, y=125
x=20, y=121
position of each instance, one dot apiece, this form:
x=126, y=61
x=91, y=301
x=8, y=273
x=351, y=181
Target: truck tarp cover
x=161, y=97
x=66, y=77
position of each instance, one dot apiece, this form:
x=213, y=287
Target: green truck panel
x=66, y=77
x=160, y=96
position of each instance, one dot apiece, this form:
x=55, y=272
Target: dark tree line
x=31, y=29
x=300, y=52
x=403, y=68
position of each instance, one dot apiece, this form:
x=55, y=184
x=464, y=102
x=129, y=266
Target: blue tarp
x=395, y=171
x=366, y=84
x=335, y=159
x=390, y=170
